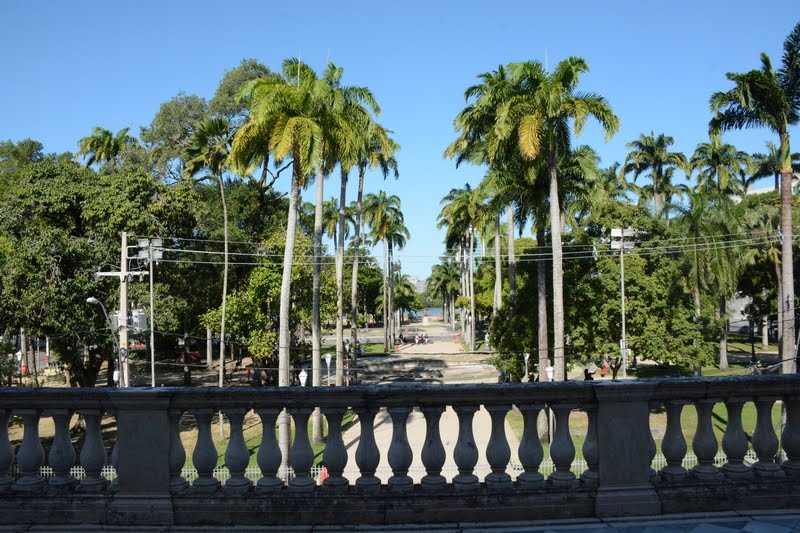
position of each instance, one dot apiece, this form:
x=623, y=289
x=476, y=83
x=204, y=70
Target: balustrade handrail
x=568, y=392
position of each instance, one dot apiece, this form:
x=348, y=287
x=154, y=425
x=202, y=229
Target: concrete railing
x=619, y=451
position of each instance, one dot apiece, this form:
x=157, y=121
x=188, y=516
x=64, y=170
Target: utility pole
x=150, y=249
x=123, y=310
x=618, y=242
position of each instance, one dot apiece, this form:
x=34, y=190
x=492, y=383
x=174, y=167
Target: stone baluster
x=562, y=450
x=30, y=456
x=465, y=453
x=93, y=454
x=498, y=453
x=734, y=442
x=269, y=452
x=301, y=456
x=433, y=454
x=62, y=453
x=591, y=450
x=368, y=456
x=704, y=443
x=237, y=457
x=204, y=456
x=6, y=451
x=673, y=445
x=335, y=454
x=765, y=442
x=790, y=439
x=400, y=454
x=530, y=448
x=177, y=454
x=651, y=442
x=114, y=485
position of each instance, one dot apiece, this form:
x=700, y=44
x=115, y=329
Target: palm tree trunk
x=340, y=275
x=781, y=322
x=789, y=365
x=541, y=293
x=391, y=294
x=386, y=346
x=498, y=268
x=284, y=337
x=764, y=326
x=723, y=339
x=470, y=270
x=224, y=283
x=354, y=280
x=559, y=373
x=316, y=326
x=512, y=263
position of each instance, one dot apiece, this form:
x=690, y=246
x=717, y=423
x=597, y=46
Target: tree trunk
x=789, y=365
x=284, y=337
x=559, y=373
x=391, y=294
x=498, y=268
x=316, y=326
x=779, y=278
x=340, y=275
x=764, y=327
x=224, y=284
x=512, y=263
x=386, y=346
x=354, y=285
x=541, y=293
x=470, y=272
x=723, y=339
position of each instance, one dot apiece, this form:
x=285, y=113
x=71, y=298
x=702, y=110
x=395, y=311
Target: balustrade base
x=768, y=471
x=590, y=478
x=627, y=501
x=237, y=487
x=64, y=483
x=178, y=485
x=466, y=483
x=707, y=474
x=498, y=481
x=204, y=485
x=29, y=485
x=268, y=484
x=141, y=509
x=530, y=481
x=738, y=473
x=792, y=469
x=368, y=484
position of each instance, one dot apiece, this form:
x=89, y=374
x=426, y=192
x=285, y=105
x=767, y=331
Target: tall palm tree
x=769, y=165
x=765, y=98
x=651, y=153
x=103, y=146
x=395, y=238
x=288, y=122
x=719, y=166
x=445, y=280
x=209, y=148
x=382, y=213
x=379, y=153
x=542, y=118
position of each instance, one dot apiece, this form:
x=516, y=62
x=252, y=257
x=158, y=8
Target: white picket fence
x=416, y=471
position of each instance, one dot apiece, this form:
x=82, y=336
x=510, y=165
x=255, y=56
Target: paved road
x=415, y=427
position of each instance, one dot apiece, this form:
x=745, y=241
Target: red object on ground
x=324, y=475
x=604, y=370
x=24, y=370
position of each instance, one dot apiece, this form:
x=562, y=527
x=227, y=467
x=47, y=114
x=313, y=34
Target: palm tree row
x=519, y=121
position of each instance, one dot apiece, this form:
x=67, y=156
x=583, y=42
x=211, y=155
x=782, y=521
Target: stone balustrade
x=619, y=448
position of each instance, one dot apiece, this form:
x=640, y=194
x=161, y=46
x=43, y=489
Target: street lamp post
x=328, y=362
x=549, y=371
x=151, y=250
x=527, y=356
x=91, y=300
x=618, y=242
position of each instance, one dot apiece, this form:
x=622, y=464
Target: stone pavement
x=784, y=521
x=448, y=427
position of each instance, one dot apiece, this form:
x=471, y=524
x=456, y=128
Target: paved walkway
x=415, y=426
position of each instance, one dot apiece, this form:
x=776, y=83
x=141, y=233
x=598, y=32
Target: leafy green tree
x=769, y=165
x=170, y=131
x=765, y=98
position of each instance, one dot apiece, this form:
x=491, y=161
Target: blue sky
x=70, y=66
